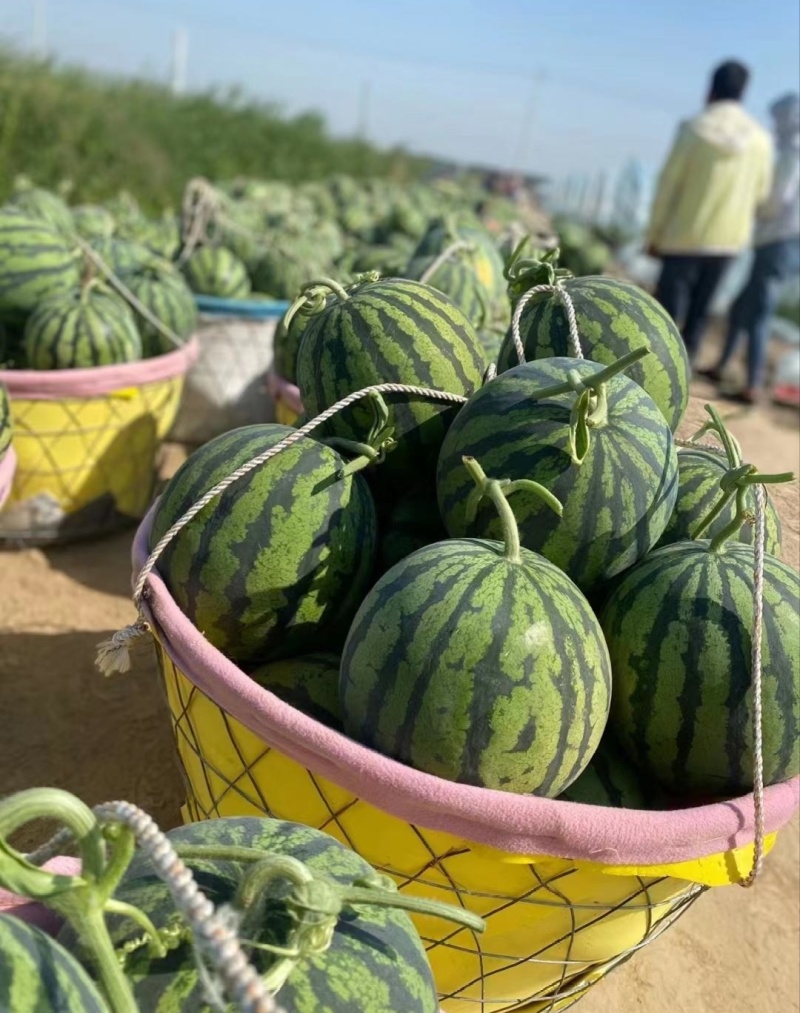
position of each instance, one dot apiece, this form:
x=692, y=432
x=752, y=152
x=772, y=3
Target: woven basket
x=568, y=891
x=225, y=387
x=86, y=443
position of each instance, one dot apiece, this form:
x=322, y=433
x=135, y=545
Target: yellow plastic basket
x=86, y=462
x=554, y=927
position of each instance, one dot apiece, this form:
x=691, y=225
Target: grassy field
x=61, y=126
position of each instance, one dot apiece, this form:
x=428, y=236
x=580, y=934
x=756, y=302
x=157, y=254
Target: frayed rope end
x=114, y=655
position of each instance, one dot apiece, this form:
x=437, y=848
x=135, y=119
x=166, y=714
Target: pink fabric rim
x=54, y=384
x=519, y=824
x=8, y=465
x=282, y=390
x=32, y=911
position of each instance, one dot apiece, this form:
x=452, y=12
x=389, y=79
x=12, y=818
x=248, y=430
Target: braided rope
x=556, y=289
x=113, y=655
x=213, y=934
x=759, y=549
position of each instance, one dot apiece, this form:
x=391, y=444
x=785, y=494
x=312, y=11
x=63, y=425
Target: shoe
x=712, y=374
x=745, y=397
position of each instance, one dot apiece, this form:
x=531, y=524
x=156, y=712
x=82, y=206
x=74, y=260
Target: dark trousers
x=753, y=308
x=685, y=289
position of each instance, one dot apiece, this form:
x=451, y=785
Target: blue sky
x=596, y=83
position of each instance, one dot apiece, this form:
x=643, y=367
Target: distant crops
x=100, y=135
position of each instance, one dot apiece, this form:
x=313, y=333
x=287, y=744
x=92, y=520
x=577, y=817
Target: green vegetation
x=65, y=127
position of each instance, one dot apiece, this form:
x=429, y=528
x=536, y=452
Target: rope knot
x=114, y=654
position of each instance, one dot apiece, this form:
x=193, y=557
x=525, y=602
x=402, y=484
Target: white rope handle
x=113, y=655
x=759, y=549
x=558, y=290
x=444, y=256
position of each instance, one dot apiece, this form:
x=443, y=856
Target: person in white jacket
x=777, y=255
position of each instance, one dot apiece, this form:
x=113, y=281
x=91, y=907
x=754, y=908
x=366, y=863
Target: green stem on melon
x=576, y=383
x=92, y=932
x=380, y=439
x=736, y=483
x=53, y=803
x=119, y=907
x=312, y=300
x=729, y=443
x=498, y=491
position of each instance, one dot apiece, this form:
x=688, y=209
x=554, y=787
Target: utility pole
x=39, y=28
x=364, y=97
x=180, y=59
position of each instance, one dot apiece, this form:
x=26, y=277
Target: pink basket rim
x=8, y=465
x=519, y=824
x=284, y=390
x=53, y=384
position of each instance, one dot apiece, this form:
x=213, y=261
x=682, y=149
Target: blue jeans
x=752, y=311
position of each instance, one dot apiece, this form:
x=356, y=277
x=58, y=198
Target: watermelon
x=617, y=498
x=375, y=961
x=284, y=268
x=484, y=255
x=88, y=327
x=609, y=780
x=43, y=205
x=699, y=475
x=37, y=975
x=6, y=425
x=124, y=257
x=93, y=222
x=277, y=565
x=168, y=297
x=36, y=261
x=309, y=683
x=679, y=630
x=491, y=337
x=456, y=278
x=441, y=671
x=214, y=270
x=390, y=331
x=613, y=318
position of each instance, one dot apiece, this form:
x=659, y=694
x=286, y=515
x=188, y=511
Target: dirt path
x=736, y=951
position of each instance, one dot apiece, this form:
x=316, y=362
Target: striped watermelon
x=491, y=337
x=44, y=205
x=457, y=279
x=91, y=326
x=613, y=317
x=440, y=670
x=277, y=565
x=124, y=257
x=283, y=269
x=6, y=425
x=610, y=780
x=93, y=222
x=699, y=474
x=679, y=628
x=37, y=975
x=214, y=270
x=309, y=683
x=168, y=297
x=36, y=261
x=375, y=962
x=616, y=501
x=390, y=331
x=484, y=255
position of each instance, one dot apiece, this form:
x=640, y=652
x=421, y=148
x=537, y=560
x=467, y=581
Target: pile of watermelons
x=529, y=588
x=241, y=240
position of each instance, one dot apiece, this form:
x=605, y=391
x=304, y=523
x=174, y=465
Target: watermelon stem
x=498, y=491
x=577, y=383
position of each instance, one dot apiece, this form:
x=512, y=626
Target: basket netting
x=554, y=927
x=86, y=465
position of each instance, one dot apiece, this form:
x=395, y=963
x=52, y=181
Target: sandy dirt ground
x=735, y=951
